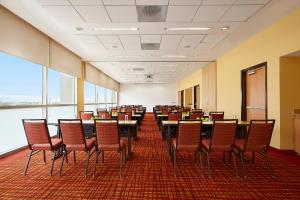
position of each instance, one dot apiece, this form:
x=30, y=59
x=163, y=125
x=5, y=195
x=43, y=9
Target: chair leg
x=195, y=156
x=270, y=169
x=44, y=154
x=201, y=163
x=96, y=161
x=52, y=163
x=208, y=163
x=243, y=164
x=87, y=163
x=234, y=163
x=223, y=157
x=74, y=156
x=29, y=157
x=62, y=161
x=174, y=161
x=253, y=157
x=102, y=156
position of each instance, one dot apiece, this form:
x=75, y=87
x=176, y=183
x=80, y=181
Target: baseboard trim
x=284, y=151
x=13, y=152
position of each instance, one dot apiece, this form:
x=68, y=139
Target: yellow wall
x=267, y=46
x=289, y=98
x=281, y=38
x=80, y=90
x=188, y=97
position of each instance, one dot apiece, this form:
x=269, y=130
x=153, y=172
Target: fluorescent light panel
x=116, y=29
x=188, y=29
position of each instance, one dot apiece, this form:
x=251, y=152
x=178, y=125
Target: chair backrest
x=107, y=132
x=86, y=115
x=196, y=115
x=189, y=132
x=259, y=134
x=72, y=131
x=122, y=115
x=216, y=115
x=175, y=116
x=164, y=111
x=36, y=131
x=223, y=134
x=104, y=115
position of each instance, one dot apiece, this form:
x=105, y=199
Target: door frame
x=244, y=92
x=182, y=98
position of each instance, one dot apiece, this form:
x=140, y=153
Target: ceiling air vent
x=150, y=46
x=153, y=13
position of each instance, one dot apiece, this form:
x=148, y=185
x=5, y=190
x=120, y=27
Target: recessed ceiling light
x=225, y=28
x=116, y=29
x=188, y=29
x=114, y=46
x=78, y=28
x=173, y=56
x=187, y=46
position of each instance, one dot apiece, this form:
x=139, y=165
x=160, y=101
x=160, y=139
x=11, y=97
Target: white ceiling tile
x=190, y=41
x=240, y=12
x=152, y=2
x=87, y=38
x=214, y=37
x=53, y=2
x=119, y=2
x=205, y=45
x=94, y=46
x=185, y=2
x=115, y=47
x=150, y=38
x=168, y=46
x=93, y=14
x=218, y=2
x=122, y=13
x=109, y=39
x=86, y=2
x=174, y=39
x=64, y=13
x=252, y=2
x=210, y=13
x=131, y=42
x=181, y=13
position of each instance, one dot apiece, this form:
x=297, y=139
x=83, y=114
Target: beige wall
x=209, y=87
x=289, y=98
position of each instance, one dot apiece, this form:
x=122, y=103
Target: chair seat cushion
x=114, y=147
x=240, y=145
x=56, y=143
x=90, y=143
x=206, y=143
x=189, y=148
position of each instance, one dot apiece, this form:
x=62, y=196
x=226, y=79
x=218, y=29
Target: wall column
x=80, y=90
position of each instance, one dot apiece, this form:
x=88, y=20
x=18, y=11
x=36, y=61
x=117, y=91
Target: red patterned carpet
x=149, y=175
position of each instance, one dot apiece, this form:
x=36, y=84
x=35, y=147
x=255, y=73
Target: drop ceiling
x=184, y=36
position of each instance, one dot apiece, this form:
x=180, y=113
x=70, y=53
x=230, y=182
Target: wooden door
x=255, y=93
x=197, y=97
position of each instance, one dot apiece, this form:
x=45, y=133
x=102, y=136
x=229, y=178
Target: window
x=89, y=97
x=21, y=88
x=24, y=93
x=61, y=96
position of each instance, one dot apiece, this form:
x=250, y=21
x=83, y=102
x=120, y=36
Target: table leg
x=129, y=143
x=168, y=139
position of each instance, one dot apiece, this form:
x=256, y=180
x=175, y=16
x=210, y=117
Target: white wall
x=148, y=95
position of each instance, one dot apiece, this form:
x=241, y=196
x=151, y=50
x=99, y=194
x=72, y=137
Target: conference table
x=241, y=129
x=129, y=125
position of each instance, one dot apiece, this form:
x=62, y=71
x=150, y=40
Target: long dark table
x=205, y=124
